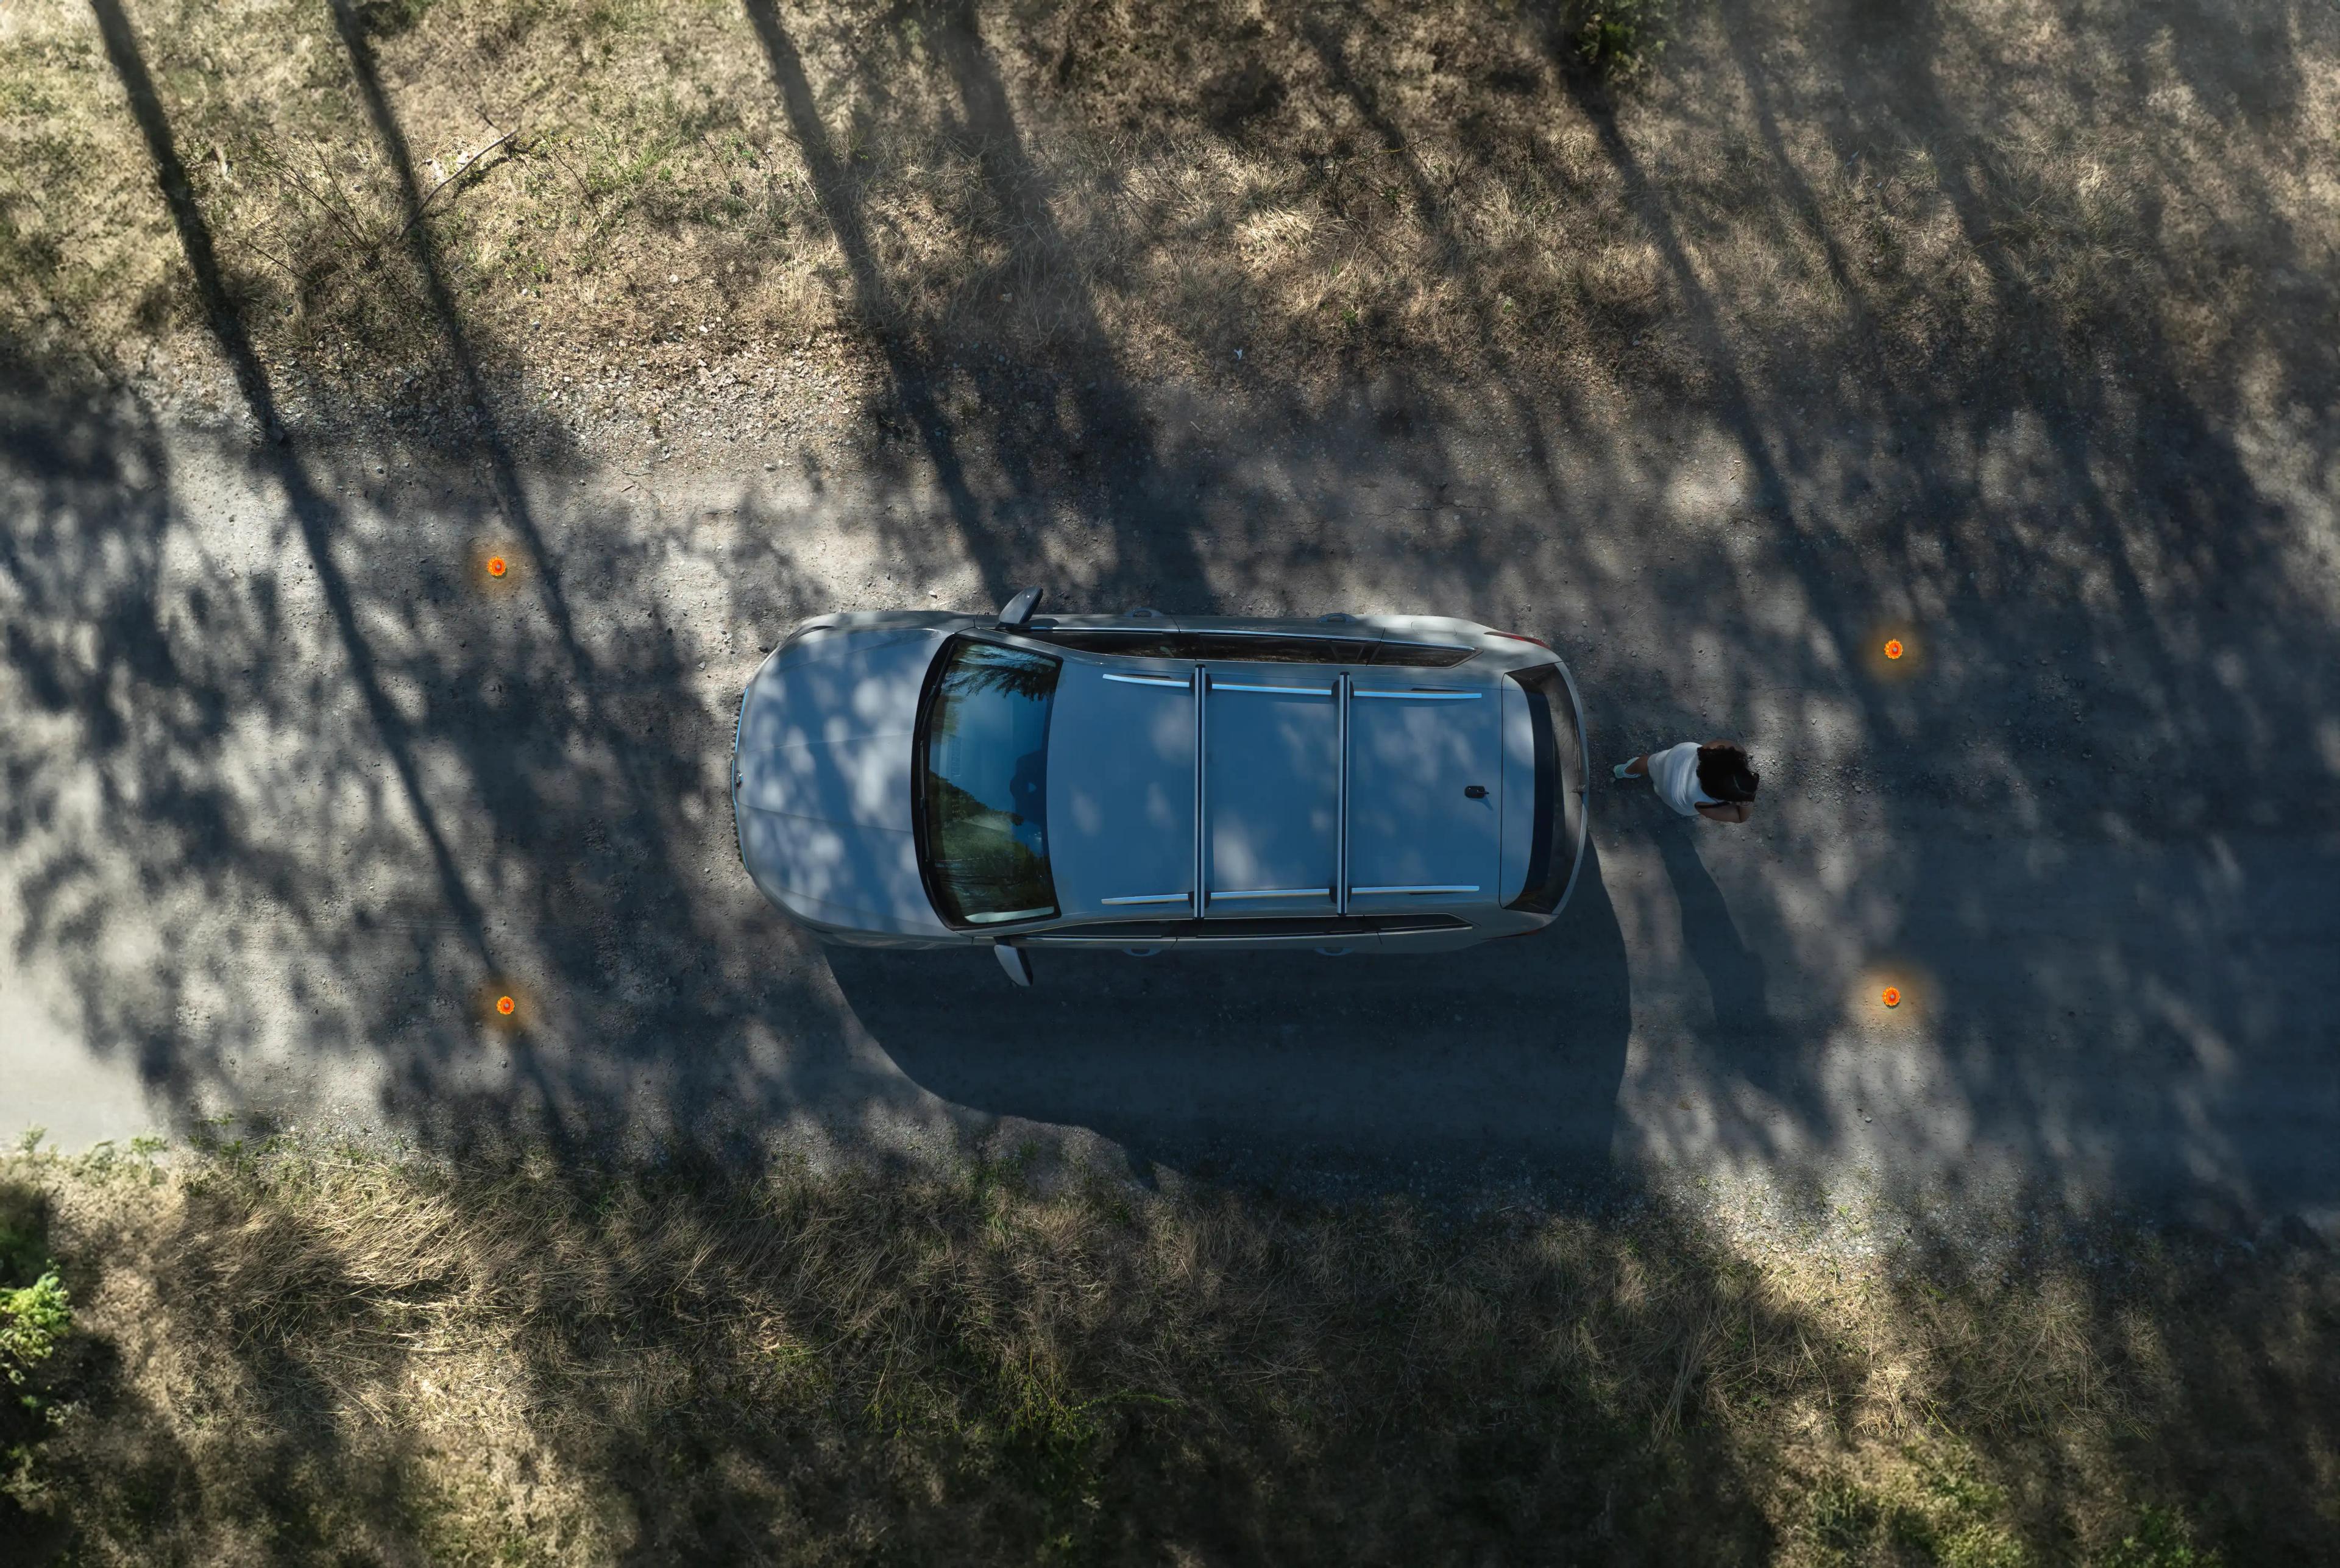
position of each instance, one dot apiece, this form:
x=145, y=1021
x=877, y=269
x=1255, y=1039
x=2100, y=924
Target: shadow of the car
x=1509, y=1051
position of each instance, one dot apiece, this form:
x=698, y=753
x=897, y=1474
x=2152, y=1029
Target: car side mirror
x=1017, y=964
x=1016, y=614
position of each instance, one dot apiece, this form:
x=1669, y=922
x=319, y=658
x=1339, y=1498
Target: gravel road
x=294, y=789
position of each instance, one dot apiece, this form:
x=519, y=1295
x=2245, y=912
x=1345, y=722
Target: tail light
x=1523, y=637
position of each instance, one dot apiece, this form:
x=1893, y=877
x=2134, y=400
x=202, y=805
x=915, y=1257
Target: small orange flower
x=1892, y=995
x=1893, y=648
x=496, y=569
x=504, y=1006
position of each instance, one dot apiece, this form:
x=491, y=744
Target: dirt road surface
x=294, y=788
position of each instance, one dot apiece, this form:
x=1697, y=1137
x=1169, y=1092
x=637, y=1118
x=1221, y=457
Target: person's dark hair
x=1725, y=771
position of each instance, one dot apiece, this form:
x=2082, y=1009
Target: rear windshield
x=1559, y=774
x=983, y=785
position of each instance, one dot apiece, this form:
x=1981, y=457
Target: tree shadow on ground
x=324, y=1353
x=2187, y=1365
x=322, y=801
x=1061, y=425
x=483, y=788
x=294, y=803
x=1020, y=1359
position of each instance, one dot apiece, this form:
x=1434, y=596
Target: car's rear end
x=1466, y=796
x=1546, y=781
x=1535, y=745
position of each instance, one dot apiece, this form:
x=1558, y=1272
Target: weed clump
x=35, y=1309
x=2162, y=1540
x=32, y=1320
x=1615, y=40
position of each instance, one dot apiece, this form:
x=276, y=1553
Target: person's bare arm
x=1730, y=812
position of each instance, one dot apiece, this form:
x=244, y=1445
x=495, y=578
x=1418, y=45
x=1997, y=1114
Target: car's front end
x=821, y=767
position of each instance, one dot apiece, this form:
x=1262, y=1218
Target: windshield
x=983, y=785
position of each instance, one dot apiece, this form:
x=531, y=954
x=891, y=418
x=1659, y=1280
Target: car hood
x=821, y=785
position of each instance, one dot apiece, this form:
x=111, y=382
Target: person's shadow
x=1733, y=970
x=1744, y=1037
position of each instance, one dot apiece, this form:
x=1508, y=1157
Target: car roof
x=1324, y=787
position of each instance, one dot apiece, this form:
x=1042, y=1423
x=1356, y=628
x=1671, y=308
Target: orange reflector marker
x=1893, y=648
x=496, y=569
x=1892, y=995
x=504, y=1006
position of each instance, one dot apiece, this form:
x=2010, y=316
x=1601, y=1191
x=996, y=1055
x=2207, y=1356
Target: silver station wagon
x=1142, y=782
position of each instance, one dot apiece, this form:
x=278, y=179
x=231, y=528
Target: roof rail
x=1340, y=812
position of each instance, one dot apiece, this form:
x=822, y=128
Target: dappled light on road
x=1942, y=407
x=293, y=772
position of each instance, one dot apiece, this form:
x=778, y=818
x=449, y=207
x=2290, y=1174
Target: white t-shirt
x=1674, y=772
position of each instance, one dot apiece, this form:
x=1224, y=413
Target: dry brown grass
x=290, y=1355
x=1820, y=197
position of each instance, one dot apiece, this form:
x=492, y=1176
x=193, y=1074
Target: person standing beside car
x=1716, y=781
